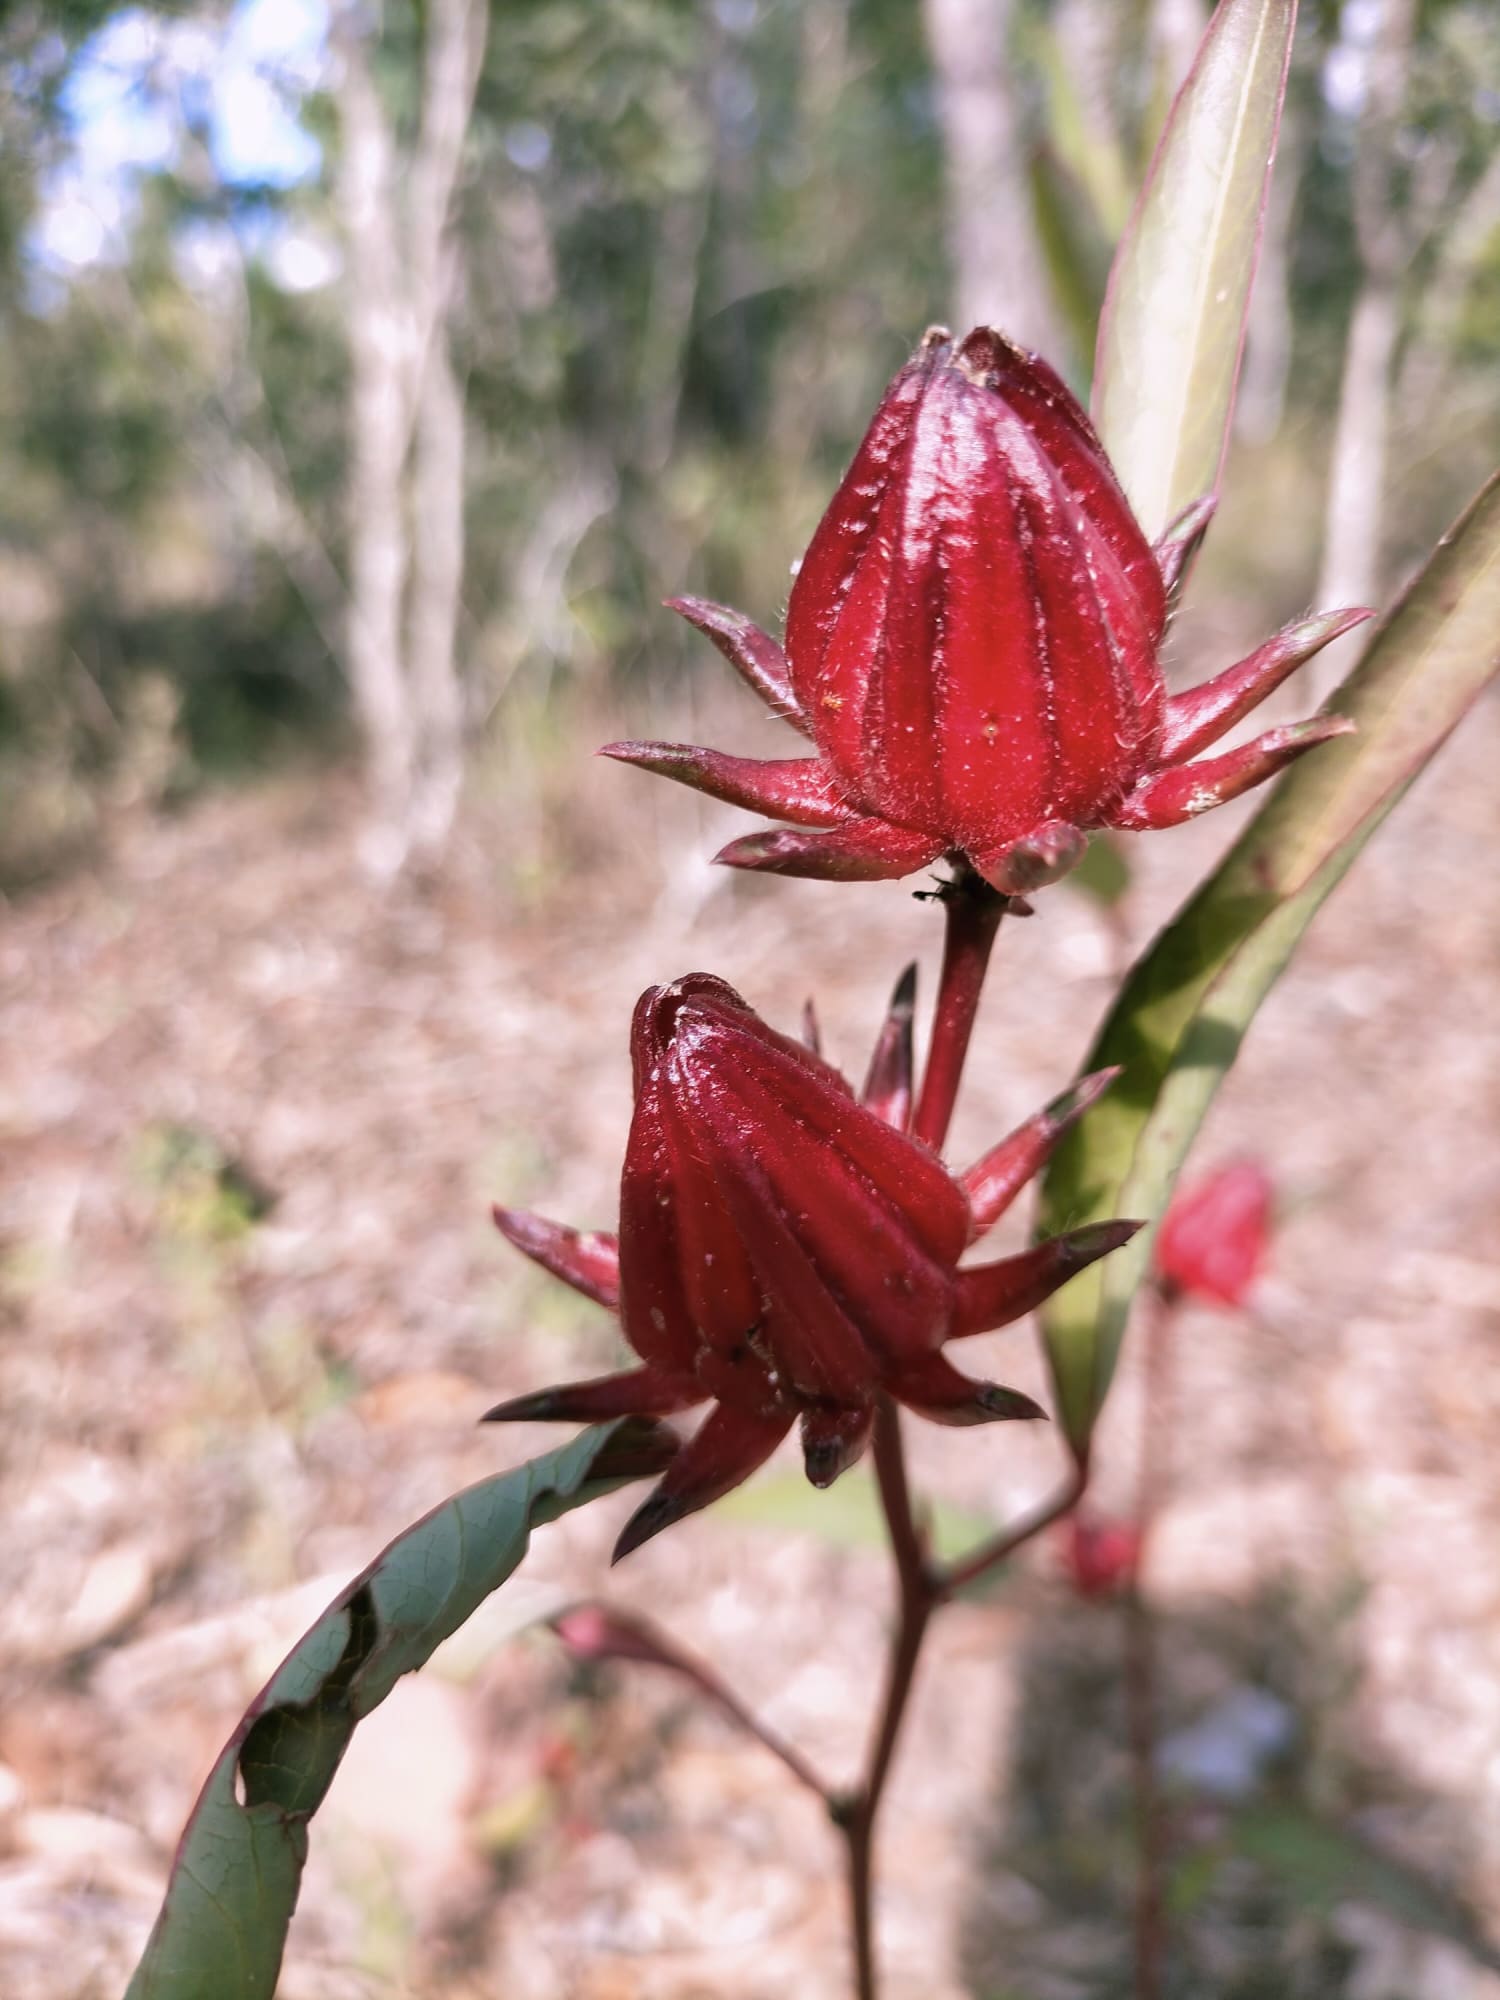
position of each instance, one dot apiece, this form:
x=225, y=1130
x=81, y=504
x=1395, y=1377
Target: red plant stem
x=1140, y=1660
x=652, y=1647
x=989, y=1555
x=916, y=1601
x=973, y=911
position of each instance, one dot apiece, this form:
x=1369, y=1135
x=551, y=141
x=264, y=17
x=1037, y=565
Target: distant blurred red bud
x=1102, y=1555
x=1214, y=1241
x=593, y=1632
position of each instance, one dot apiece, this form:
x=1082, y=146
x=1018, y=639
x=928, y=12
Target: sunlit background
x=368, y=375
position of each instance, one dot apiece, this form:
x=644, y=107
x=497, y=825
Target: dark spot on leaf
x=292, y=1750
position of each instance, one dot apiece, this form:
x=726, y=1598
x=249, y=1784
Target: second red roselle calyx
x=788, y=1254
x=972, y=644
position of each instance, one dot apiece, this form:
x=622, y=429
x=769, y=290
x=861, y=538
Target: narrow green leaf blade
x=235, y=1877
x=1173, y=323
x=1177, y=1024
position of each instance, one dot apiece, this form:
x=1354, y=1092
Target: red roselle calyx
x=789, y=1253
x=1216, y=1234
x=972, y=644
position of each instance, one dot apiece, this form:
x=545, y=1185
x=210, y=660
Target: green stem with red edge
x=973, y=913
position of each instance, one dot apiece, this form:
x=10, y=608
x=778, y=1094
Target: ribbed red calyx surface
x=789, y=1253
x=805, y=1244
x=973, y=630
x=973, y=644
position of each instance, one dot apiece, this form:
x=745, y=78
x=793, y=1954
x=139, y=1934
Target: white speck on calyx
x=658, y=1319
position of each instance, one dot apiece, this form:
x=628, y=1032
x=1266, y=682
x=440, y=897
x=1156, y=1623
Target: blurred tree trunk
x=999, y=276
x=1429, y=356
x=1269, y=333
x=1386, y=237
x=406, y=434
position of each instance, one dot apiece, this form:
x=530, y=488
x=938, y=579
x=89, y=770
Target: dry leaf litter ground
x=253, y=1113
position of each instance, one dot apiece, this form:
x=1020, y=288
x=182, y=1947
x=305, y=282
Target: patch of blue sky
x=137, y=82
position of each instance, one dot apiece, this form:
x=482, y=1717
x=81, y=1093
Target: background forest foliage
x=369, y=373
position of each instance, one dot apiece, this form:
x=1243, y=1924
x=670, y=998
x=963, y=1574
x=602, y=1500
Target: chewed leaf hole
x=292, y=1750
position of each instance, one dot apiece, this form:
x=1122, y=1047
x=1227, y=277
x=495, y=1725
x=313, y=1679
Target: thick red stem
x=973, y=911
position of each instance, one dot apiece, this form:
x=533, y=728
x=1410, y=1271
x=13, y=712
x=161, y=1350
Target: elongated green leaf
x=1174, y=315
x=238, y=1868
x=1177, y=1023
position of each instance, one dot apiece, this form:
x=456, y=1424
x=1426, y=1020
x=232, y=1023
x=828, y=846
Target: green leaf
x=1174, y=315
x=235, y=1878
x=1177, y=1024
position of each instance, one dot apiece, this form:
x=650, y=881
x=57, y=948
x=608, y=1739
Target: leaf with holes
x=238, y=1867
x=1177, y=1023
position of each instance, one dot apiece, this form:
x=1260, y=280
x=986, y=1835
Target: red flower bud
x=972, y=644
x=1102, y=1555
x=790, y=1253
x=1216, y=1233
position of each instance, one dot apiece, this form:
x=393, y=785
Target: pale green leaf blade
x=1173, y=324
x=235, y=1877
x=1177, y=1023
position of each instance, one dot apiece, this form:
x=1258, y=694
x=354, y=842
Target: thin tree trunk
x=999, y=277
x=1354, y=510
x=378, y=552
x=436, y=595
x=1351, y=541
x=1429, y=354
x=406, y=446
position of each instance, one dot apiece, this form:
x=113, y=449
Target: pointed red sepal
x=934, y=1388
x=794, y=788
x=1202, y=715
x=1183, y=791
x=888, y=1087
x=863, y=850
x=1044, y=855
x=725, y=1449
x=1184, y=537
x=587, y=1260
x=993, y=1295
x=993, y=1182
x=754, y=655
x=833, y=1440
x=635, y=1392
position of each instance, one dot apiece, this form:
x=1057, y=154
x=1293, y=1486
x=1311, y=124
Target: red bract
x=788, y=1253
x=972, y=644
x=1216, y=1233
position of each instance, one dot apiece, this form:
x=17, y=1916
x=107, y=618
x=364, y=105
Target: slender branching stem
x=624, y=1636
x=950, y=1582
x=973, y=911
x=915, y=1603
